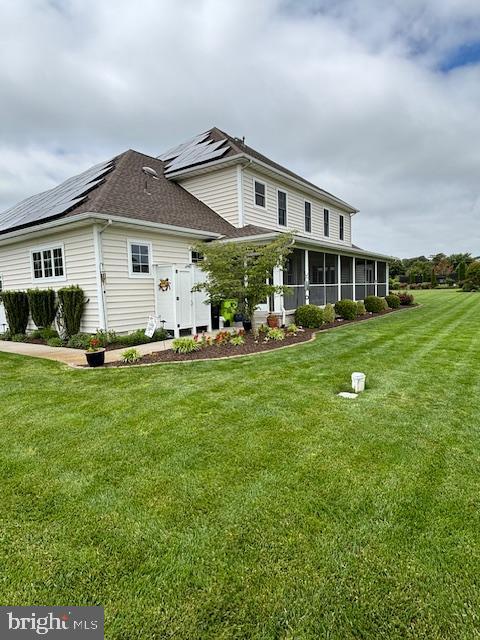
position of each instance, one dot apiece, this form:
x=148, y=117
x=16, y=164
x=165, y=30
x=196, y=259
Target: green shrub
x=16, y=310
x=329, y=313
x=393, y=301
x=43, y=306
x=473, y=274
x=138, y=337
x=361, y=311
x=71, y=305
x=346, y=309
x=374, y=304
x=79, y=341
x=185, y=345
x=292, y=328
x=461, y=271
x=18, y=337
x=309, y=316
x=237, y=340
x=275, y=333
x=55, y=342
x=6, y=335
x=131, y=355
x=44, y=334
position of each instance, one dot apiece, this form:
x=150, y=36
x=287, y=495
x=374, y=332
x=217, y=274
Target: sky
x=377, y=102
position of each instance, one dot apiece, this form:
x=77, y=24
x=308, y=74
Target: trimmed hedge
x=329, y=313
x=361, y=311
x=43, y=306
x=72, y=305
x=309, y=316
x=346, y=309
x=393, y=301
x=17, y=311
x=374, y=304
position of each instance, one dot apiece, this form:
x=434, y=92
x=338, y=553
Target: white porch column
x=307, y=281
x=387, y=276
x=278, y=297
x=339, y=277
x=353, y=278
x=376, y=276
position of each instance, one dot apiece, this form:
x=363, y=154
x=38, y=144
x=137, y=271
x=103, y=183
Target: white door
x=3, y=319
x=183, y=293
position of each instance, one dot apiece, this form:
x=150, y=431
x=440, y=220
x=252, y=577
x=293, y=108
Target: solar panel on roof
x=194, y=151
x=54, y=201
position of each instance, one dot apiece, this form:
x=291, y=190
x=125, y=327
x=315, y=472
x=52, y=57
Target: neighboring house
x=124, y=229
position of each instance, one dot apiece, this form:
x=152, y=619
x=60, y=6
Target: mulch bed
x=251, y=346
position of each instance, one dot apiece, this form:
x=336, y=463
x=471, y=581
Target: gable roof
x=120, y=191
x=214, y=145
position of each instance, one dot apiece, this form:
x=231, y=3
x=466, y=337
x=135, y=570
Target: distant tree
x=436, y=258
x=461, y=271
x=457, y=258
x=473, y=274
x=396, y=267
x=443, y=267
x=433, y=278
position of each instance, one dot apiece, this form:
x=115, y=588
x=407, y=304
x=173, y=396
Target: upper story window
x=196, y=257
x=260, y=194
x=47, y=263
x=282, y=208
x=326, y=222
x=139, y=258
x=342, y=227
x=308, y=216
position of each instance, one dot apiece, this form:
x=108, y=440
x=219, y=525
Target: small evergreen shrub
x=393, y=301
x=18, y=337
x=346, y=309
x=131, y=355
x=185, y=345
x=406, y=299
x=55, y=342
x=72, y=305
x=329, y=313
x=374, y=304
x=361, y=311
x=16, y=310
x=309, y=316
x=43, y=306
x=79, y=341
x=137, y=337
x=44, y=334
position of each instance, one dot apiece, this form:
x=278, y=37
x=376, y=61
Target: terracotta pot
x=95, y=358
x=272, y=322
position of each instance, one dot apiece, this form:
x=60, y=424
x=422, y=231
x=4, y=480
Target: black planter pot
x=247, y=325
x=95, y=358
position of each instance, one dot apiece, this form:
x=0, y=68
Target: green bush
x=393, y=301
x=18, y=337
x=237, y=340
x=406, y=299
x=185, y=345
x=361, y=311
x=44, y=334
x=79, y=341
x=16, y=310
x=346, y=309
x=71, y=305
x=329, y=313
x=473, y=274
x=374, y=304
x=43, y=306
x=131, y=355
x=275, y=333
x=6, y=335
x=309, y=316
x=55, y=342
x=292, y=328
x=138, y=337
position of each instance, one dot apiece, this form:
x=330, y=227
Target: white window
x=48, y=263
x=342, y=227
x=282, y=208
x=260, y=193
x=196, y=257
x=140, y=258
x=308, y=216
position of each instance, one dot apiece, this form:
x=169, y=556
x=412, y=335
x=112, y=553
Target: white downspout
x=97, y=246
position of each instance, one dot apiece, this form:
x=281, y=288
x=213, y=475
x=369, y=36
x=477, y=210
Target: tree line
x=436, y=268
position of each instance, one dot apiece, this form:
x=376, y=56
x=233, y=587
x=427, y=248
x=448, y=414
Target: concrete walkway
x=74, y=356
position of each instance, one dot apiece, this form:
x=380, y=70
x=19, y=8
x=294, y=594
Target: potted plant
x=95, y=354
x=247, y=324
x=272, y=321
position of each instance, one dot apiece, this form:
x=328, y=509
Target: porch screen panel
x=346, y=277
x=360, y=277
x=382, y=290
x=294, y=277
x=370, y=277
x=316, y=277
x=347, y=291
x=382, y=272
x=331, y=277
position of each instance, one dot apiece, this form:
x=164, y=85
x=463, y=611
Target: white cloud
x=346, y=93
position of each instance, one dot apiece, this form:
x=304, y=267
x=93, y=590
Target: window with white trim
x=308, y=216
x=260, y=194
x=139, y=258
x=342, y=227
x=47, y=263
x=282, y=208
x=196, y=257
x=326, y=222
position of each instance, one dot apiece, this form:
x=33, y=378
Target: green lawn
x=244, y=499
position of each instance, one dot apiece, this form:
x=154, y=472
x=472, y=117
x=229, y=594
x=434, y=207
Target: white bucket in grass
x=358, y=381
